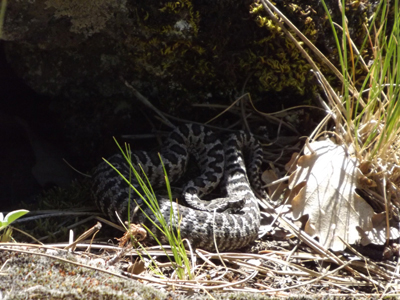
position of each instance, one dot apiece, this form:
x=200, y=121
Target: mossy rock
x=176, y=53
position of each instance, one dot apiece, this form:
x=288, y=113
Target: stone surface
x=173, y=52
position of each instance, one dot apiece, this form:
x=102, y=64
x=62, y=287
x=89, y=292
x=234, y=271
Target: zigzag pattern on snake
x=231, y=222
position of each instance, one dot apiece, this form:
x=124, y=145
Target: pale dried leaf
x=274, y=190
x=377, y=235
x=323, y=187
x=137, y=267
x=291, y=165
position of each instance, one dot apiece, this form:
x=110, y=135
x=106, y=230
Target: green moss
x=33, y=276
x=177, y=47
x=57, y=199
x=38, y=277
x=283, y=66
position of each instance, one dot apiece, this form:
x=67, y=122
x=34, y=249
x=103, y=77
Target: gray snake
x=232, y=222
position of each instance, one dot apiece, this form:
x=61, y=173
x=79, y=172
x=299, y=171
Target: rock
x=177, y=53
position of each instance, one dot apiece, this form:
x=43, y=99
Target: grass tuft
x=170, y=230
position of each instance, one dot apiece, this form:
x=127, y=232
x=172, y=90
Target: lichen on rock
x=87, y=17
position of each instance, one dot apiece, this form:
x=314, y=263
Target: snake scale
x=229, y=223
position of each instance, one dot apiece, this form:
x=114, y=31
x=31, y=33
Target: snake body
x=228, y=223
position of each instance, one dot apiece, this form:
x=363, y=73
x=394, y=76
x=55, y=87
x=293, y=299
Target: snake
x=232, y=162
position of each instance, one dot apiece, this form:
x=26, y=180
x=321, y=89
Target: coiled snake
x=231, y=222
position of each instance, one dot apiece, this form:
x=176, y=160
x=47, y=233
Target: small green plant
x=6, y=221
x=181, y=261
